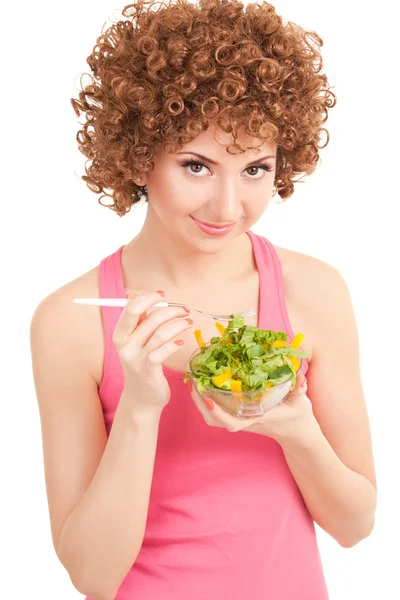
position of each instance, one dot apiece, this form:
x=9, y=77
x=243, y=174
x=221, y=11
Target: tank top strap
x=110, y=286
x=273, y=307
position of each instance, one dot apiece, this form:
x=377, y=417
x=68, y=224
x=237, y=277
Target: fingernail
x=304, y=383
x=161, y=292
x=209, y=403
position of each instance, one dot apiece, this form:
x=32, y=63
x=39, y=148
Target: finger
x=224, y=419
x=146, y=335
x=160, y=337
x=199, y=400
x=218, y=414
x=200, y=404
x=130, y=296
x=133, y=310
x=161, y=353
x=196, y=396
x=301, y=385
x=133, y=316
x=160, y=326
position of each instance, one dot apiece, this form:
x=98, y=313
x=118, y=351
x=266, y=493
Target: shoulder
x=310, y=265
x=315, y=289
x=312, y=277
x=62, y=297
x=57, y=317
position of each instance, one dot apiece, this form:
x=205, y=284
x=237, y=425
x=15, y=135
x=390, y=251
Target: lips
x=212, y=230
x=219, y=226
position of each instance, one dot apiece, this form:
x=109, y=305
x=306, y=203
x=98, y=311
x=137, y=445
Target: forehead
x=213, y=142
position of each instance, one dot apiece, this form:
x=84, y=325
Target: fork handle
x=118, y=302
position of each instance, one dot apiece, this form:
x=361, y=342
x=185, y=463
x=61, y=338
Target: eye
x=268, y=168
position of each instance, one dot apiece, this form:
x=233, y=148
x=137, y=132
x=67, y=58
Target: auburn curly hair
x=161, y=76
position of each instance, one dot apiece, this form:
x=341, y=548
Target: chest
x=243, y=294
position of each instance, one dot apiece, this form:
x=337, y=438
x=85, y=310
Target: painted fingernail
x=161, y=292
x=209, y=403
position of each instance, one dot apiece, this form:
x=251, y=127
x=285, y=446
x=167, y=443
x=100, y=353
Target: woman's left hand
x=287, y=422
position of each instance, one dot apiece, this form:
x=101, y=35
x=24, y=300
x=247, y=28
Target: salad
x=245, y=358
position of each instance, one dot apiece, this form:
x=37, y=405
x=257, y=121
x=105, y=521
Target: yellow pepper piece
x=220, y=328
x=268, y=384
x=296, y=341
x=295, y=362
x=220, y=379
x=199, y=339
x=279, y=343
x=236, y=385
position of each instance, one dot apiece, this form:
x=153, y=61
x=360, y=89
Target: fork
x=124, y=301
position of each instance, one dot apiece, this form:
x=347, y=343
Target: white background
x=53, y=230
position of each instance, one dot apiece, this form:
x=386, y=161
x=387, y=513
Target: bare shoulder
x=304, y=264
x=320, y=288
x=308, y=275
x=61, y=298
x=308, y=282
x=81, y=323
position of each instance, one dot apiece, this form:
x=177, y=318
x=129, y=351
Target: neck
x=190, y=260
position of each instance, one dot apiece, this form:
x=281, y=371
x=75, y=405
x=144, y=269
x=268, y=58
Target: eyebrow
x=213, y=162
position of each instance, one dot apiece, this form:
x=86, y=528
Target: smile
x=212, y=230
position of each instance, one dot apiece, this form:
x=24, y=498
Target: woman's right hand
x=143, y=341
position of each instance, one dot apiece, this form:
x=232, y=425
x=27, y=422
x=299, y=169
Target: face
x=219, y=189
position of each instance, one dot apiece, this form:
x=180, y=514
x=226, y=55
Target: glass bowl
x=246, y=404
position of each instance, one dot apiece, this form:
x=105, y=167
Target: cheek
x=263, y=202
x=170, y=206
x=165, y=196
x=171, y=195
x=254, y=208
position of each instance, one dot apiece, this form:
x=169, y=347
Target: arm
x=104, y=533
x=333, y=462
x=339, y=499
x=97, y=488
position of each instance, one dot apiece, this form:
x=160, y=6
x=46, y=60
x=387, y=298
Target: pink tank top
x=226, y=518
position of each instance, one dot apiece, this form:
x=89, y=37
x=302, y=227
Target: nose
x=228, y=204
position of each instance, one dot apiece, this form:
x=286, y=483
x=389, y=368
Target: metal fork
x=124, y=301
x=245, y=314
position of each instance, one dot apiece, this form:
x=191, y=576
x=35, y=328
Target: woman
x=205, y=111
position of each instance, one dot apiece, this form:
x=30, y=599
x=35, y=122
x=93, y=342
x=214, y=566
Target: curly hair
x=160, y=77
